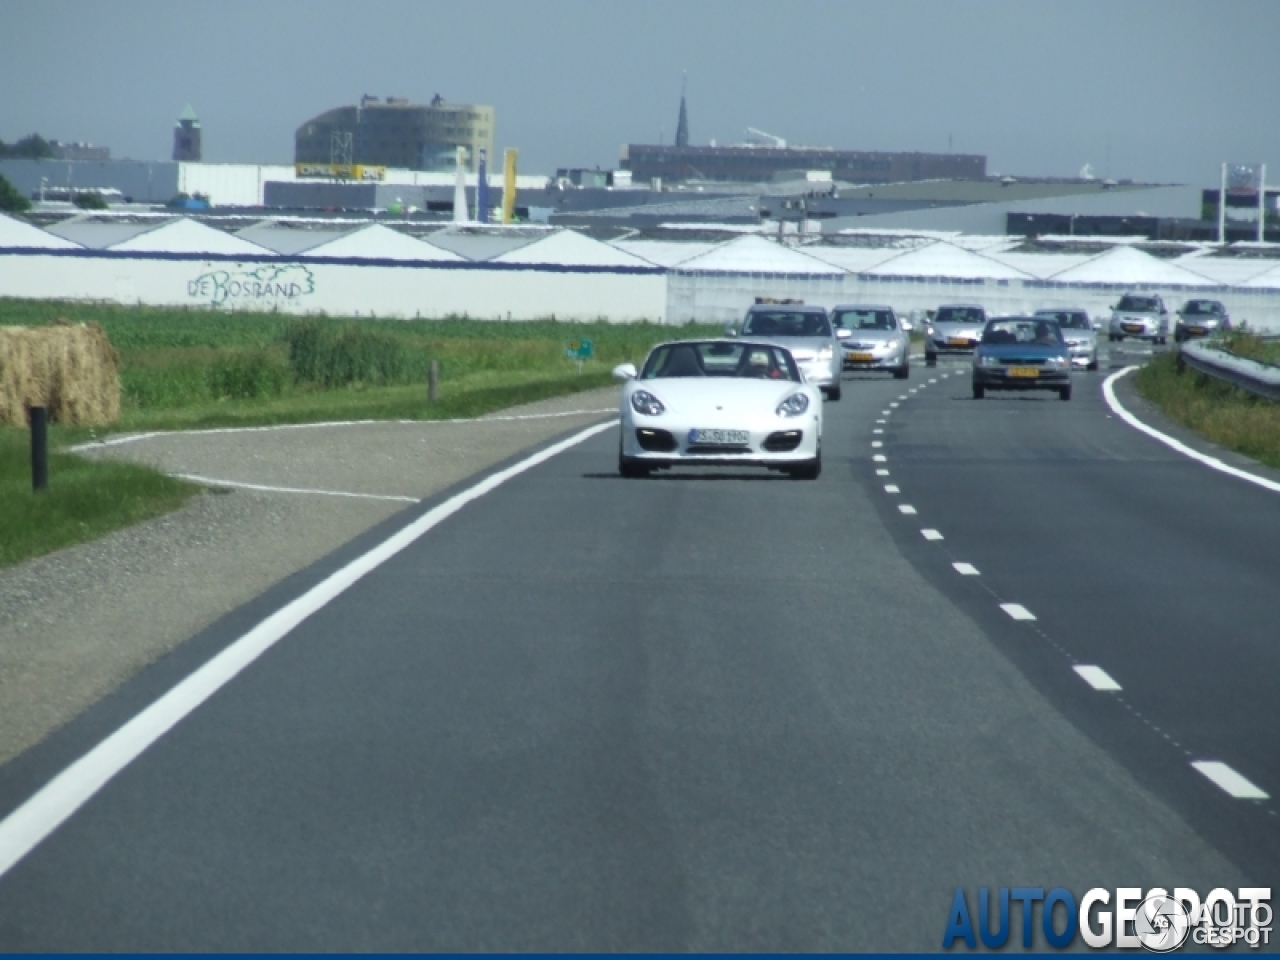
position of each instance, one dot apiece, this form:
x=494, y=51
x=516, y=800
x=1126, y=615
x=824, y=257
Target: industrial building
x=396, y=133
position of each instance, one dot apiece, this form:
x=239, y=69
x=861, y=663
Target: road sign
x=578, y=349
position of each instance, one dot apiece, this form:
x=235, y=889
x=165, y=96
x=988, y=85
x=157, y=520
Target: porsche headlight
x=642, y=401
x=794, y=405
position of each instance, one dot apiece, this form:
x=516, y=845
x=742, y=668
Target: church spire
x=682, y=126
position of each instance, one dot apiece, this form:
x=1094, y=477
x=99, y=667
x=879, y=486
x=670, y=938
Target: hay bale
x=71, y=369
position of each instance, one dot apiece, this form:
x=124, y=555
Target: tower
x=682, y=125
x=186, y=136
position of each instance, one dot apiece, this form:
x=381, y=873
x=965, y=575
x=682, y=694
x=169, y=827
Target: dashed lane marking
x=1229, y=780
x=1096, y=677
x=906, y=508
x=882, y=473
x=1017, y=611
x=879, y=458
x=930, y=534
x=966, y=569
x=891, y=488
x=878, y=430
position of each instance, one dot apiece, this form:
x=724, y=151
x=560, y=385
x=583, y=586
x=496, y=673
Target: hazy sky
x=1151, y=89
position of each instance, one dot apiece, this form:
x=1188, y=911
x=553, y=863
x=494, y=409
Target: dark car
x=1199, y=318
x=1022, y=353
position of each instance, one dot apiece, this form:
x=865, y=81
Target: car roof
x=1061, y=310
x=789, y=307
x=732, y=340
x=861, y=306
x=966, y=306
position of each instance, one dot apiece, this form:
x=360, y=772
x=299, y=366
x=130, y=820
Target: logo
x=263, y=284
x=1162, y=924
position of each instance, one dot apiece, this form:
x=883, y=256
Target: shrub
x=333, y=356
x=247, y=376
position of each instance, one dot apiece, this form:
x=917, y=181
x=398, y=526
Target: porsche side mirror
x=625, y=371
x=843, y=333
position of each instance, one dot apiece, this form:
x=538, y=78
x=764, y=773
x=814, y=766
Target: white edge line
x=28, y=825
x=1229, y=780
x=258, y=486
x=1096, y=677
x=1109, y=394
x=130, y=438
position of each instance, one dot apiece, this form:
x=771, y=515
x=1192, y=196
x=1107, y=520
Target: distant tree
x=32, y=147
x=90, y=200
x=11, y=201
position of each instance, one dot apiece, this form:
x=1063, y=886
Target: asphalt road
x=710, y=711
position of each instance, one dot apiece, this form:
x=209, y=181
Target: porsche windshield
x=865, y=320
x=958, y=315
x=756, y=361
x=786, y=323
x=1022, y=332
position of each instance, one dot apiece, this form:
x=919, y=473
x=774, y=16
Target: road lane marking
x=912, y=390
x=930, y=534
x=23, y=829
x=906, y=508
x=878, y=430
x=130, y=438
x=1230, y=781
x=894, y=404
x=1096, y=677
x=879, y=457
x=966, y=569
x=1017, y=611
x=1108, y=392
x=881, y=421
x=882, y=473
x=886, y=412
x=934, y=380
x=903, y=397
x=877, y=443
x=194, y=478
x=891, y=488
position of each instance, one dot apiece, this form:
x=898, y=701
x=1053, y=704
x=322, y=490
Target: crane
x=778, y=142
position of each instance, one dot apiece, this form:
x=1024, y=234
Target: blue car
x=1022, y=353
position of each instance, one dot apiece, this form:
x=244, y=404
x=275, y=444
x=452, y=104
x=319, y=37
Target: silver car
x=1142, y=316
x=877, y=339
x=1077, y=330
x=1199, y=318
x=803, y=330
x=955, y=328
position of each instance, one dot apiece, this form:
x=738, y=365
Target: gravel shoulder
x=76, y=624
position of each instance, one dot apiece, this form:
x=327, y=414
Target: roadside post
x=579, y=350
x=39, y=448
x=433, y=381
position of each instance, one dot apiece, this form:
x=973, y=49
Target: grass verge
x=85, y=499
x=1217, y=411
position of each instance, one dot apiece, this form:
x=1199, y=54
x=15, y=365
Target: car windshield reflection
x=787, y=323
x=751, y=361
x=1024, y=332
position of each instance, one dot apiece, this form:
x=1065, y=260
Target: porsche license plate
x=958, y=341
x=1024, y=372
x=861, y=357
x=719, y=438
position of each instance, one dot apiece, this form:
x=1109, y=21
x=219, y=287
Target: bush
x=11, y=201
x=248, y=376
x=331, y=356
x=89, y=200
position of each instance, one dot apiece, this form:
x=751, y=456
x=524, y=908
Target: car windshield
x=1203, y=306
x=1138, y=304
x=1024, y=330
x=758, y=361
x=865, y=319
x=787, y=323
x=959, y=315
x=1067, y=319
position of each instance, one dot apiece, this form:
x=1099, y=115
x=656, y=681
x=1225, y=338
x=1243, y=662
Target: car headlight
x=1055, y=362
x=988, y=361
x=824, y=353
x=794, y=405
x=642, y=401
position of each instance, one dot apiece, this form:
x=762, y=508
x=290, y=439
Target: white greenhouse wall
x=345, y=289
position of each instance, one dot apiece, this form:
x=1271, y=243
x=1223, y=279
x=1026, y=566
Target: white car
x=719, y=403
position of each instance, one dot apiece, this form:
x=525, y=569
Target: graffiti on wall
x=265, y=285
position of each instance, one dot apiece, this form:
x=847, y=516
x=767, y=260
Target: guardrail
x=1261, y=379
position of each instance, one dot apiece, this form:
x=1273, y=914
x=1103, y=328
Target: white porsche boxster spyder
x=721, y=403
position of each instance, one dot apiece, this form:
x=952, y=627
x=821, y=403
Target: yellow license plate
x=1195, y=329
x=862, y=357
x=957, y=341
x=1132, y=328
x=1024, y=371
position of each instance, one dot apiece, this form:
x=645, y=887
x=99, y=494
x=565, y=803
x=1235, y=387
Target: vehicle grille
x=783, y=441
x=655, y=441
x=715, y=449
x=1022, y=362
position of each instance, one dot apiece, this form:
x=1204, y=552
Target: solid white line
x=1230, y=781
x=967, y=569
x=882, y=473
x=44, y=812
x=929, y=534
x=1108, y=391
x=1017, y=611
x=906, y=508
x=891, y=488
x=879, y=457
x=130, y=438
x=258, y=486
x=1096, y=677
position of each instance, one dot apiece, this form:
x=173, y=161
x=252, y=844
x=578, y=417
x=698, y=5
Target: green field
x=183, y=369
